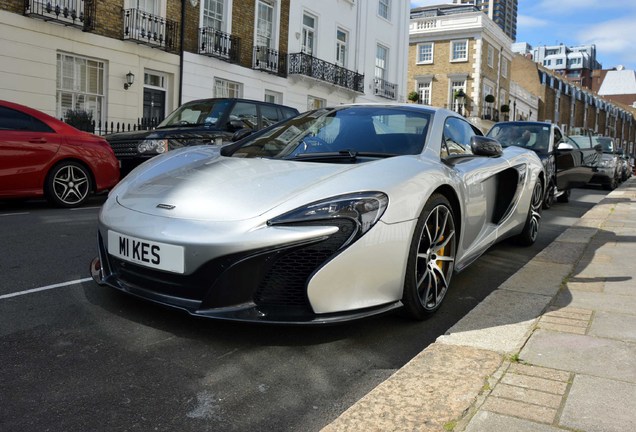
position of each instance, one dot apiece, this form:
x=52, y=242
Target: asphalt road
x=79, y=357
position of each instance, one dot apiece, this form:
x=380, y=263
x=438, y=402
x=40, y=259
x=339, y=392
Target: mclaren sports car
x=336, y=214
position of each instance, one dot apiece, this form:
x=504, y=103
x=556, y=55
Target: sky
x=609, y=24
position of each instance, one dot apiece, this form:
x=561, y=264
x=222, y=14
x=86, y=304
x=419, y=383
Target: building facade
x=467, y=51
x=572, y=107
x=126, y=59
x=617, y=85
x=575, y=63
x=502, y=12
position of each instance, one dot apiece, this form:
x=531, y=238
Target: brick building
x=459, y=47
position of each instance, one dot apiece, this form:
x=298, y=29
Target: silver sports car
x=333, y=215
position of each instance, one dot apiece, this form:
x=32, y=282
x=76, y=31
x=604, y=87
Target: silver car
x=333, y=215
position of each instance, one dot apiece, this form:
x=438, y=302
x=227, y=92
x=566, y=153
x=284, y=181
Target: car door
x=569, y=163
x=27, y=146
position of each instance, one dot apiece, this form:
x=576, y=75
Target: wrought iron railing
x=308, y=65
x=218, y=44
x=269, y=60
x=150, y=29
x=104, y=127
x=76, y=13
x=385, y=89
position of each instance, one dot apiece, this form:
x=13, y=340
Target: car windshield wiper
x=342, y=155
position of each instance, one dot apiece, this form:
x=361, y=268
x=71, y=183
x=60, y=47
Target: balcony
x=73, y=13
x=215, y=43
x=269, y=60
x=308, y=65
x=149, y=29
x=384, y=89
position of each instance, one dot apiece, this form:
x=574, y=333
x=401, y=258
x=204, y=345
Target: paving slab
x=502, y=322
x=597, y=301
x=538, y=278
x=600, y=405
x=614, y=326
x=485, y=421
x=435, y=388
x=590, y=355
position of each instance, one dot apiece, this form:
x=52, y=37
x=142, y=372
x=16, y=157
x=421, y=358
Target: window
x=224, y=88
x=459, y=50
x=246, y=112
x=149, y=6
x=504, y=68
x=457, y=135
x=13, y=120
x=309, y=34
x=213, y=14
x=455, y=87
x=559, y=62
x=381, y=56
x=341, y=48
x=425, y=53
x=80, y=85
x=491, y=56
x=315, y=103
x=265, y=24
x=384, y=9
x=273, y=97
x=424, y=90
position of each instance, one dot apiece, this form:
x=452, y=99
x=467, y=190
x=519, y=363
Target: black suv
x=204, y=121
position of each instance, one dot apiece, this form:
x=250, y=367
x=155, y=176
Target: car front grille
x=124, y=148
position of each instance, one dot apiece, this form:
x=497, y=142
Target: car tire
x=613, y=184
x=565, y=196
x=548, y=201
x=531, y=228
x=68, y=184
x=431, y=260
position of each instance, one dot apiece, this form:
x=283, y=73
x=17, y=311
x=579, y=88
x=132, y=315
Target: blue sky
x=610, y=24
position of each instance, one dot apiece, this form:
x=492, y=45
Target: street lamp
x=460, y=97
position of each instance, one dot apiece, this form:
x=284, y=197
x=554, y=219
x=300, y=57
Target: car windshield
x=342, y=133
x=531, y=136
x=607, y=145
x=196, y=113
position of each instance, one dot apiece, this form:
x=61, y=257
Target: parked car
x=566, y=165
x=626, y=168
x=205, y=121
x=41, y=156
x=336, y=214
x=608, y=174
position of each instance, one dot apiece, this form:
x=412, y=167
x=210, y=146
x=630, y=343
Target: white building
x=296, y=52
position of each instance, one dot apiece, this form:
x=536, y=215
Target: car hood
x=189, y=185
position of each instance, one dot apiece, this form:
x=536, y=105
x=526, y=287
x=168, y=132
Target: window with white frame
x=315, y=102
x=459, y=50
x=265, y=24
x=225, y=88
x=273, y=97
x=381, y=57
x=341, y=47
x=308, y=34
x=384, y=9
x=489, y=89
x=456, y=85
x=425, y=53
x=491, y=56
x=213, y=14
x=80, y=85
x=149, y=6
x=504, y=67
x=424, y=90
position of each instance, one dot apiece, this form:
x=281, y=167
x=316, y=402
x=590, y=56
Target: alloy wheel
x=71, y=184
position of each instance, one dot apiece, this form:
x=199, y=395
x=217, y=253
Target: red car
x=43, y=156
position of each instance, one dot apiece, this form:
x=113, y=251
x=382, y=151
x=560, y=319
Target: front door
x=154, y=105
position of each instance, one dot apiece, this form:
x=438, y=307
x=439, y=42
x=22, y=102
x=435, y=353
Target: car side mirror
x=485, y=146
x=598, y=148
x=565, y=146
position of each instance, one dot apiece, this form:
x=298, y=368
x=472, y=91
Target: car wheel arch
x=75, y=160
x=451, y=195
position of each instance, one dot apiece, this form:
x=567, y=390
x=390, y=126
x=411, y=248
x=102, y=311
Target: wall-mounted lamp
x=130, y=79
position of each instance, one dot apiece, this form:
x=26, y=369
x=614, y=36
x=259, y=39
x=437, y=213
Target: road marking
x=84, y=208
x=13, y=214
x=44, y=288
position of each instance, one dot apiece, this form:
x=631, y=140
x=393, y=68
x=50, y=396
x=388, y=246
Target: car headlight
x=364, y=209
x=156, y=146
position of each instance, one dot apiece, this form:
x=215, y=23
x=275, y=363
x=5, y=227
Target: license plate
x=161, y=256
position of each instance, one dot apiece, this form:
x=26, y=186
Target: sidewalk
x=552, y=349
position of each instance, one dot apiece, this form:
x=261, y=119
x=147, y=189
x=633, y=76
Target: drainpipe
x=182, y=38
